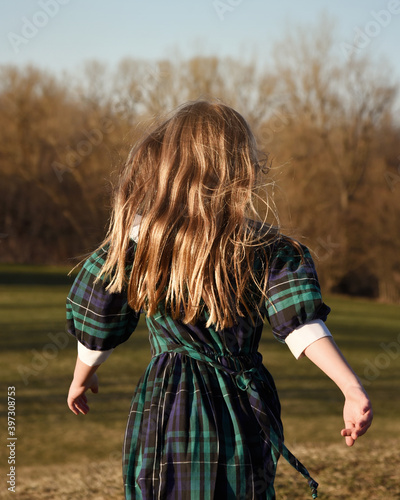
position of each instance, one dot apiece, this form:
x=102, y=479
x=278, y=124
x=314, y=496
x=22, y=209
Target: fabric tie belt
x=244, y=368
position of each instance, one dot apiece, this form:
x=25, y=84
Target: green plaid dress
x=205, y=417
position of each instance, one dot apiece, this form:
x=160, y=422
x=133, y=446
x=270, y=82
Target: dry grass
x=58, y=458
x=364, y=472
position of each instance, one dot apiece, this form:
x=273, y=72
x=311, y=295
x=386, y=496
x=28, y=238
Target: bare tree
x=327, y=121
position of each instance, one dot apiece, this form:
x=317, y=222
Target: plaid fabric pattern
x=98, y=319
x=205, y=420
x=294, y=294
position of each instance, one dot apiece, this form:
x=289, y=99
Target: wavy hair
x=193, y=180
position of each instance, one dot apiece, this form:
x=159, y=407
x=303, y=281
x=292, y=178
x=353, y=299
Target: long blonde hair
x=192, y=179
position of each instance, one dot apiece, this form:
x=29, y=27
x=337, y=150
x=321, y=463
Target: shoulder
x=287, y=252
x=93, y=264
x=282, y=252
x=291, y=269
x=270, y=241
x=95, y=261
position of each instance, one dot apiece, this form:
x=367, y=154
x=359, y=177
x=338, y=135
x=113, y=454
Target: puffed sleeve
x=99, y=320
x=293, y=290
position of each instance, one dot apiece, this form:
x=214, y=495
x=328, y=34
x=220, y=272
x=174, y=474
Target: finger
x=365, y=420
x=71, y=406
x=348, y=429
x=361, y=430
x=363, y=424
x=82, y=408
x=81, y=404
x=352, y=433
x=347, y=434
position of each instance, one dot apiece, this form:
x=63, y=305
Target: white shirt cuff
x=303, y=336
x=92, y=358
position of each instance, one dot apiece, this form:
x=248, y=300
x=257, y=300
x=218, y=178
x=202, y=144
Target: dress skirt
x=197, y=432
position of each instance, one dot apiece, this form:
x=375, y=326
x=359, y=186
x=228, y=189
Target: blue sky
x=73, y=31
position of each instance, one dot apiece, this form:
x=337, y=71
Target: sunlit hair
x=193, y=180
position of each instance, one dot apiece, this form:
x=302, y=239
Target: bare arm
x=84, y=378
x=357, y=411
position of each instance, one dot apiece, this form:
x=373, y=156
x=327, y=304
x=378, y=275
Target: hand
x=77, y=400
x=357, y=414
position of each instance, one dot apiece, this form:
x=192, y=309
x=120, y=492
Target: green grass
x=32, y=316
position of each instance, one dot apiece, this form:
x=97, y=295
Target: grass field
x=61, y=456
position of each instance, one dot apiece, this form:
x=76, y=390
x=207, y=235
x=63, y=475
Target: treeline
x=326, y=119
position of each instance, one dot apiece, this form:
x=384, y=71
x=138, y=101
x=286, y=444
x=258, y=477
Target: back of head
x=192, y=180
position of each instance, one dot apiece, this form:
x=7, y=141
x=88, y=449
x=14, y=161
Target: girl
x=187, y=247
